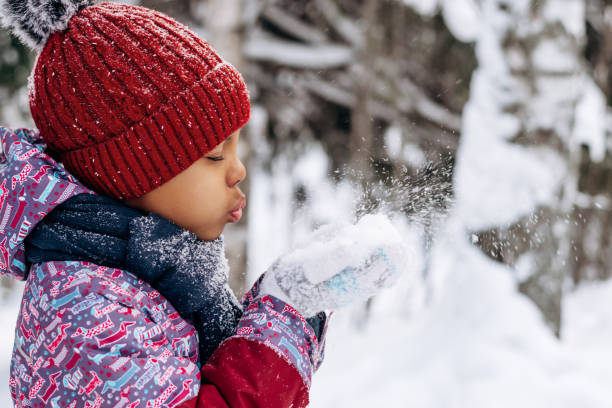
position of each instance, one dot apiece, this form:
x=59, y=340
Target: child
x=121, y=247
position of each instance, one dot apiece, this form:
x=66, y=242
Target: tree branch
x=348, y=30
x=290, y=54
x=293, y=26
x=347, y=99
x=414, y=100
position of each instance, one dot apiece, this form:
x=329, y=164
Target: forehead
x=234, y=135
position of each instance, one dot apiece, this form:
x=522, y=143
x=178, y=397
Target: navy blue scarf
x=189, y=272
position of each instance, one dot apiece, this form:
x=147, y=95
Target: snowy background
x=464, y=337
x=481, y=128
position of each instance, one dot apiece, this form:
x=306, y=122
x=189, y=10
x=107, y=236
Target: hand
x=340, y=264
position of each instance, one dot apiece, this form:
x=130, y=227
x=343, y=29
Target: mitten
x=340, y=264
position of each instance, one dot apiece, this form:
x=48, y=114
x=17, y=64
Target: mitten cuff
x=281, y=327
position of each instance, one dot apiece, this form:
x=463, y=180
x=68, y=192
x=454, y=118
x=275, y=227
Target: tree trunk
x=362, y=130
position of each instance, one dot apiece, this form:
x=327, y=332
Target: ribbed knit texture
x=126, y=98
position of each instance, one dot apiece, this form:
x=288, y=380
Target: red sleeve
x=268, y=363
x=248, y=373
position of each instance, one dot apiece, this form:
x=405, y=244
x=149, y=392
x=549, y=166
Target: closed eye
x=215, y=158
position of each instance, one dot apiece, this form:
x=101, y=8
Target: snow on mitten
x=340, y=264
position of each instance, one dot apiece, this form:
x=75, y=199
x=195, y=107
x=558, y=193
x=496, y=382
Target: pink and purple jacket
x=88, y=335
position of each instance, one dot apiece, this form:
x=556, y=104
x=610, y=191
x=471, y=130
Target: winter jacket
x=90, y=335
x=192, y=274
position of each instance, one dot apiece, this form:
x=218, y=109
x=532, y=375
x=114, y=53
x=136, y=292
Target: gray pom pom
x=35, y=20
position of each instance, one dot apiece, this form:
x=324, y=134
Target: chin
x=209, y=235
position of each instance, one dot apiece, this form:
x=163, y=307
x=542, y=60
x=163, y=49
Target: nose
x=237, y=173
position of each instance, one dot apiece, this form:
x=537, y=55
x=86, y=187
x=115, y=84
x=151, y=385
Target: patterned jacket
x=88, y=335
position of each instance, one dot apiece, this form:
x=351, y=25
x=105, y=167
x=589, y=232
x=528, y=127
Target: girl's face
x=204, y=197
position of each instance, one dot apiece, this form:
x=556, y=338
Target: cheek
x=210, y=199
x=200, y=196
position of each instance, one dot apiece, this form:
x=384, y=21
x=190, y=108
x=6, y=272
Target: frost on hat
x=124, y=96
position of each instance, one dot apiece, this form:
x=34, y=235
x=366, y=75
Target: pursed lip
x=236, y=213
x=241, y=204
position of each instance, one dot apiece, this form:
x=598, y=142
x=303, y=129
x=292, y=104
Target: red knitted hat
x=127, y=98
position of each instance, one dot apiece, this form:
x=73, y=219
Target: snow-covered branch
x=346, y=98
x=346, y=28
x=413, y=101
x=293, y=26
x=291, y=54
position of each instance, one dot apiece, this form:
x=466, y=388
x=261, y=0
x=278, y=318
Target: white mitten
x=340, y=264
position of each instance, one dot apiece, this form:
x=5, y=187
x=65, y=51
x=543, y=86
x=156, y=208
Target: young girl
x=126, y=302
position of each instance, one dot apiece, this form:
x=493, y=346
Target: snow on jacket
x=89, y=335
